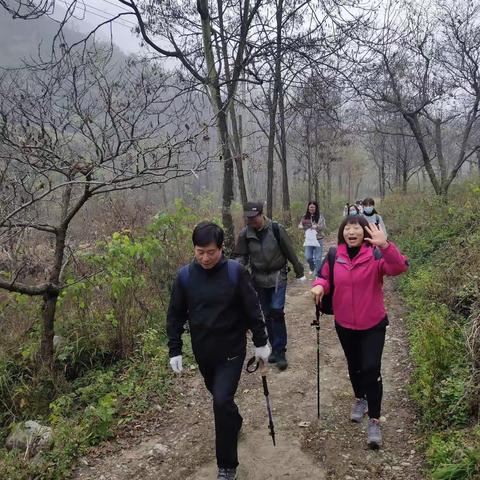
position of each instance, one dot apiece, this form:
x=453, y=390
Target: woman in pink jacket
x=362, y=258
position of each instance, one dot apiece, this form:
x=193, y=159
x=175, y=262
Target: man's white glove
x=302, y=279
x=262, y=353
x=176, y=364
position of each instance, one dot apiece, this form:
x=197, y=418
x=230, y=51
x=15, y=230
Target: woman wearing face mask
x=313, y=224
x=372, y=215
x=362, y=258
x=353, y=210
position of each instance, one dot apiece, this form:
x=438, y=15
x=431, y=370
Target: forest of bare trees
x=282, y=101
x=345, y=100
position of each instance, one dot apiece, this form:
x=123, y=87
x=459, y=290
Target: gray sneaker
x=374, y=434
x=359, y=410
x=227, y=474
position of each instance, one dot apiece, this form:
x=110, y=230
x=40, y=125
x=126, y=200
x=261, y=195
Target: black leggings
x=363, y=350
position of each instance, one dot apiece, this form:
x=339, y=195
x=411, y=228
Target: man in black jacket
x=217, y=298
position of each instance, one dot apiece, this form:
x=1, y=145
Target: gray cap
x=252, y=209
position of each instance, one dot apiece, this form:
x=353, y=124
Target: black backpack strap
x=332, y=252
x=276, y=233
x=234, y=269
x=184, y=275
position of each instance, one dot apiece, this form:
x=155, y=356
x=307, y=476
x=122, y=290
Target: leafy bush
x=455, y=455
x=442, y=293
x=111, y=355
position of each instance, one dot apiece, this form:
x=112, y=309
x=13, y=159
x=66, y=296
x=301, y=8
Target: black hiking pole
x=316, y=324
x=263, y=372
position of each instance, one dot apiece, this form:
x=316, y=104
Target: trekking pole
x=263, y=371
x=316, y=324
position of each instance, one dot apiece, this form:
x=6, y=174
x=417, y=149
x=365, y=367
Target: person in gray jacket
x=372, y=215
x=266, y=247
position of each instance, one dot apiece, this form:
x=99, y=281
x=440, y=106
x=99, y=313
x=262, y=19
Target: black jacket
x=219, y=313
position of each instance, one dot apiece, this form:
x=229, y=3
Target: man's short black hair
x=207, y=232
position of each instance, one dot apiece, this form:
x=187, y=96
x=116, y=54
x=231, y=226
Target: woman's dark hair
x=352, y=219
x=369, y=202
x=316, y=215
x=207, y=232
x=355, y=207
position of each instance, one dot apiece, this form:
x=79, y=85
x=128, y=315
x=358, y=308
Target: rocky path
x=178, y=442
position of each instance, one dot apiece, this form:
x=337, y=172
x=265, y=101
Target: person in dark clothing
x=217, y=298
x=266, y=247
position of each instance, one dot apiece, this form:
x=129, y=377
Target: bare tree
x=422, y=63
x=87, y=127
x=211, y=44
x=318, y=134
x=28, y=9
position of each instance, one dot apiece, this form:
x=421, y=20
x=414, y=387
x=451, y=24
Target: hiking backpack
x=233, y=267
x=276, y=234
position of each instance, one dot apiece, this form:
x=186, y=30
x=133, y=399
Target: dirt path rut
x=178, y=443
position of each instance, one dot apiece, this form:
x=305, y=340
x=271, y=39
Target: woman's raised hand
x=379, y=238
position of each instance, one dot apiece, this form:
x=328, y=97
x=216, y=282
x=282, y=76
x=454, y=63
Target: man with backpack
x=217, y=298
x=266, y=247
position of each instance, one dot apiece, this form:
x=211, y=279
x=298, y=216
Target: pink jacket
x=358, y=295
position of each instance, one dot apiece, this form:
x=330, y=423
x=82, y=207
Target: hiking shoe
x=359, y=410
x=374, y=434
x=282, y=363
x=272, y=358
x=227, y=474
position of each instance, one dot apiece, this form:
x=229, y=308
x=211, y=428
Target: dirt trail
x=178, y=444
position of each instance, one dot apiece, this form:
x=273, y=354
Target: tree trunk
x=357, y=188
x=329, y=183
x=398, y=170
x=382, y=176
x=227, y=219
x=48, y=329
x=404, y=175
x=316, y=185
x=440, y=156
x=222, y=126
x=238, y=155
x=414, y=124
x=271, y=149
x=287, y=219
x=51, y=296
x=309, y=162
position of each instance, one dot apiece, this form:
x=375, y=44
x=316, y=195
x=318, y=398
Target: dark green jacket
x=267, y=259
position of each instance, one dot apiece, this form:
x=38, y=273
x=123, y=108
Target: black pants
x=221, y=379
x=363, y=350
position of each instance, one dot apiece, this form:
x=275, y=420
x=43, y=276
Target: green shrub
x=455, y=455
